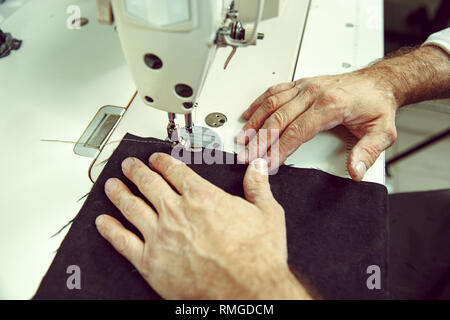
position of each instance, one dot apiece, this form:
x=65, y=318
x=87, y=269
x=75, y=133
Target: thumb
x=256, y=184
x=366, y=152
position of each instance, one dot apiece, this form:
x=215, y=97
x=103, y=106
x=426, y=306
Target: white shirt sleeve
x=440, y=39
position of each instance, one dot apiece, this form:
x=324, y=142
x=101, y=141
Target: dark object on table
x=8, y=43
x=336, y=230
x=419, y=252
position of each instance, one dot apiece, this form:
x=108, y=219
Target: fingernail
x=110, y=185
x=360, y=169
x=260, y=165
x=99, y=221
x=153, y=157
x=127, y=163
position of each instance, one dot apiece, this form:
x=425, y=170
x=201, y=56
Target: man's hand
x=364, y=101
x=301, y=109
x=201, y=242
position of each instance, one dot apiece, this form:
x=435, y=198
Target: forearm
x=418, y=75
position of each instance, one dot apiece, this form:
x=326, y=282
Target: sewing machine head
x=169, y=45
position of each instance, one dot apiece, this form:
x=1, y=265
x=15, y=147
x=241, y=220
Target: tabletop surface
x=49, y=89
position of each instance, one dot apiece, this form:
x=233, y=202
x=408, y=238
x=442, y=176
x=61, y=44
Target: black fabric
x=419, y=255
x=336, y=228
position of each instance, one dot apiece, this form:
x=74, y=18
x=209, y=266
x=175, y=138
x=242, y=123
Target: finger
x=177, y=173
x=149, y=182
x=275, y=124
x=258, y=146
x=303, y=129
x=123, y=240
x=268, y=107
x=256, y=185
x=132, y=207
x=269, y=92
x=367, y=150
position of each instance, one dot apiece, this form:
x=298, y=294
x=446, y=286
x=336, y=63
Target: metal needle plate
x=215, y=119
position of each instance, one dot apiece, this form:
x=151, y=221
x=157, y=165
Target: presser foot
x=195, y=138
x=192, y=138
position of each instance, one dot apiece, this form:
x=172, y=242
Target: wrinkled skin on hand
x=302, y=109
x=201, y=242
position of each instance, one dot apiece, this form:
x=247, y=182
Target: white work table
x=59, y=78
x=49, y=89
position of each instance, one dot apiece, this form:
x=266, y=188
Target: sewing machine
x=176, y=51
x=170, y=47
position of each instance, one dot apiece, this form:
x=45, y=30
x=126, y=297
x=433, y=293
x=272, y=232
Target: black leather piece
x=336, y=228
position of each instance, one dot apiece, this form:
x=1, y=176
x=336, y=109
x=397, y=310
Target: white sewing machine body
x=168, y=48
x=169, y=45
